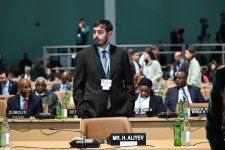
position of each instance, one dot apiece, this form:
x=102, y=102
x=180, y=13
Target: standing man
x=103, y=81
x=215, y=124
x=82, y=33
x=179, y=64
x=176, y=37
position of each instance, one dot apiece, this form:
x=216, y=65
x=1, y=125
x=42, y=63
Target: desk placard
x=17, y=114
x=143, y=113
x=118, y=138
x=199, y=112
x=72, y=113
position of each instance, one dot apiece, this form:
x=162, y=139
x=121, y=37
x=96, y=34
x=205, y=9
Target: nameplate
x=72, y=113
x=143, y=112
x=199, y=112
x=17, y=114
x=121, y=138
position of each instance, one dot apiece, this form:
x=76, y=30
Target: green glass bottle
x=67, y=97
x=0, y=137
x=58, y=110
x=181, y=108
x=177, y=133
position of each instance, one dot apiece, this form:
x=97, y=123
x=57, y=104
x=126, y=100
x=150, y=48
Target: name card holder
x=127, y=139
x=143, y=113
x=17, y=114
x=72, y=113
x=198, y=112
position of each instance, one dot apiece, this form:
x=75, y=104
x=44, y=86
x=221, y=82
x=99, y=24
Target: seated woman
x=147, y=102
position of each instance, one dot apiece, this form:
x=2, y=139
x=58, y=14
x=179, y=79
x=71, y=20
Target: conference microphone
x=80, y=142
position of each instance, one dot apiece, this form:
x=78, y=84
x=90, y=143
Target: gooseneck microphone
x=77, y=143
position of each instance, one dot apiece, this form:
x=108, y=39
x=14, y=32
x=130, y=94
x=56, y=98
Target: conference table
x=150, y=145
x=159, y=132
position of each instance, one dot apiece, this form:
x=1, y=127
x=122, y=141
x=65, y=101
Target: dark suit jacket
x=214, y=116
x=156, y=105
x=12, y=88
x=89, y=98
x=49, y=98
x=171, y=98
x=56, y=87
x=34, y=105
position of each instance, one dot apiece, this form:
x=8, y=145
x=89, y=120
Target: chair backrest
x=6, y=97
x=101, y=128
x=3, y=106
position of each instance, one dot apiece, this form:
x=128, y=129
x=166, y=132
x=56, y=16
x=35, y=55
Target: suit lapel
x=191, y=93
x=10, y=87
x=151, y=102
x=96, y=58
x=176, y=94
x=112, y=59
x=17, y=103
x=30, y=103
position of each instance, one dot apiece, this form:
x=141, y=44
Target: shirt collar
x=37, y=94
x=101, y=49
x=185, y=88
x=22, y=98
x=6, y=84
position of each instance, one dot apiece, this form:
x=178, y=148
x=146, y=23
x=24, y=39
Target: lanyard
x=107, y=69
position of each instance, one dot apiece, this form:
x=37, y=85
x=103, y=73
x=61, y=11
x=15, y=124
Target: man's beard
x=103, y=43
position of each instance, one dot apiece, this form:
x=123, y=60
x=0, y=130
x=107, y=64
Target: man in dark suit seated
x=24, y=100
x=182, y=92
x=7, y=87
x=146, y=100
x=46, y=97
x=64, y=85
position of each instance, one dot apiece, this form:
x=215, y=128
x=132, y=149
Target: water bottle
x=181, y=108
x=58, y=110
x=177, y=132
x=67, y=97
x=64, y=109
x=5, y=133
x=185, y=129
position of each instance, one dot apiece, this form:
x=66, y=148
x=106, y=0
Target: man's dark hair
x=4, y=72
x=104, y=24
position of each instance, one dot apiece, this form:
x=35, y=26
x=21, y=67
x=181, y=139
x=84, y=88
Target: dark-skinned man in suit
x=182, y=91
x=103, y=80
x=24, y=100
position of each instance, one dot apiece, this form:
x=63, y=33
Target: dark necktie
x=104, y=62
x=24, y=104
x=184, y=94
x=104, y=59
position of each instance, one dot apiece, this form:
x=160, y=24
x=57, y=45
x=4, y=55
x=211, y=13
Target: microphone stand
x=83, y=134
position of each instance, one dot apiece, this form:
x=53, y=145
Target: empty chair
x=100, y=128
x=3, y=106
